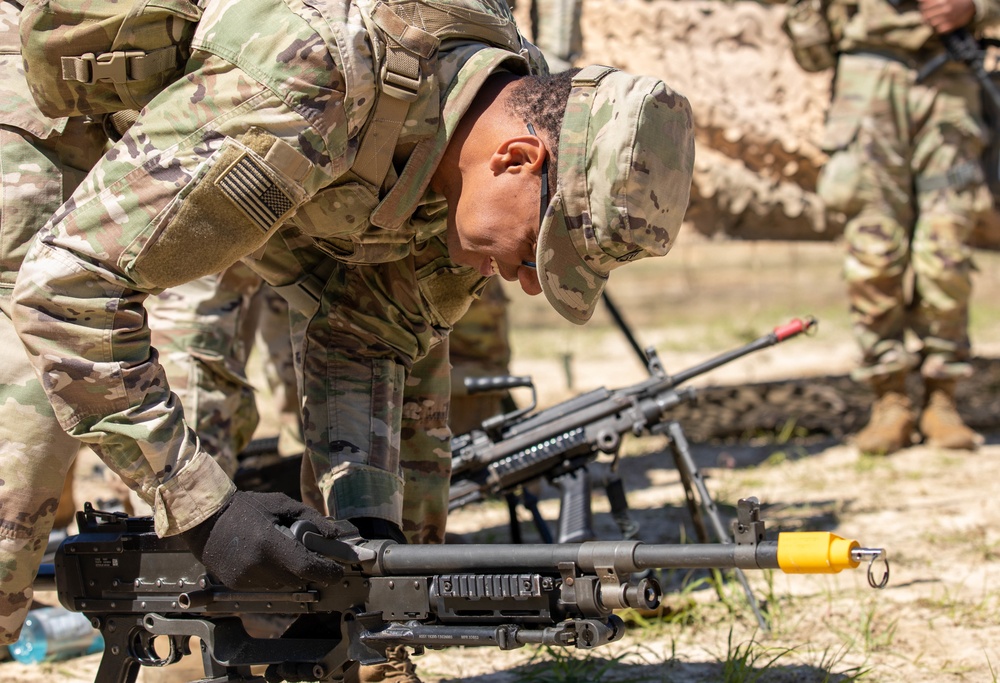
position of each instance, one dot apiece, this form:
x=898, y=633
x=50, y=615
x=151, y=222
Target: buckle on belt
x=109, y=66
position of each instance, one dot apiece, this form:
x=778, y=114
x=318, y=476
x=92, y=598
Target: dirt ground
x=934, y=511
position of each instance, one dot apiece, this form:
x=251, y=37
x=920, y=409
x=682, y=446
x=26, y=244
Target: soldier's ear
x=523, y=153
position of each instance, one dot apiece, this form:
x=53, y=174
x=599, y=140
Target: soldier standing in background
x=556, y=30
x=480, y=347
x=274, y=344
x=905, y=169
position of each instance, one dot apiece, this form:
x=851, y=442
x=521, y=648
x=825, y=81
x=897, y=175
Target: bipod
x=701, y=506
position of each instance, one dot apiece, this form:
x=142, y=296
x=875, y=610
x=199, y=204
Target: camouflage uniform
x=480, y=347
x=273, y=342
x=556, y=30
x=905, y=169
x=42, y=160
x=203, y=331
x=252, y=155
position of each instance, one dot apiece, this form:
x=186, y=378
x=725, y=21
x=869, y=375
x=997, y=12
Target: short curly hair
x=541, y=101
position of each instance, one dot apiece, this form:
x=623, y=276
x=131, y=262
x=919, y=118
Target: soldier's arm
x=216, y=164
x=987, y=12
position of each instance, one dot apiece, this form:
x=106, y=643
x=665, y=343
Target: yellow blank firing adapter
x=820, y=552
x=816, y=552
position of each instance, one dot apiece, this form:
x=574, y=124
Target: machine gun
x=137, y=588
x=961, y=46
x=560, y=444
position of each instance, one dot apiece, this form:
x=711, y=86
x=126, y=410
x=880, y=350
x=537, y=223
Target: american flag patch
x=249, y=186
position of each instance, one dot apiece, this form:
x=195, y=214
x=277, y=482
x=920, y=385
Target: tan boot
x=893, y=418
x=398, y=668
x=940, y=422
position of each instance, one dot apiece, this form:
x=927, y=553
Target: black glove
x=247, y=545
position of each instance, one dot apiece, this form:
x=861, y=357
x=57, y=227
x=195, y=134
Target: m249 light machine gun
x=560, y=443
x=961, y=46
x=138, y=589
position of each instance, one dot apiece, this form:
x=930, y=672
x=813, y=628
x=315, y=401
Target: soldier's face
x=493, y=227
x=502, y=248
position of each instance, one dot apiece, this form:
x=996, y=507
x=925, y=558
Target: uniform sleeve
x=215, y=165
x=987, y=12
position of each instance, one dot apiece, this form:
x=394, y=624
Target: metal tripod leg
x=704, y=507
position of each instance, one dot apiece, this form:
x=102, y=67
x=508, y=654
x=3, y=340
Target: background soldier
x=480, y=347
x=556, y=30
x=905, y=168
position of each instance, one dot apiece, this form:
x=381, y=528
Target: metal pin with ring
x=872, y=554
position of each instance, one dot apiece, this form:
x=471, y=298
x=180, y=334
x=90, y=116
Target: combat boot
x=893, y=418
x=398, y=668
x=940, y=422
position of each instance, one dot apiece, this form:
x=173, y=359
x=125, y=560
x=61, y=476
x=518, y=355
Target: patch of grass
x=679, y=608
x=983, y=612
x=558, y=665
x=829, y=662
x=749, y=661
x=873, y=632
x=866, y=464
x=974, y=539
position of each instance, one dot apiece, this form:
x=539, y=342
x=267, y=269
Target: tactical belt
x=910, y=61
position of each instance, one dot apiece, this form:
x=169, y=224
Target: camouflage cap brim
x=570, y=285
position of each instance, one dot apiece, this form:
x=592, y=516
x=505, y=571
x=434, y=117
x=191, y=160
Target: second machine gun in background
x=560, y=444
x=961, y=46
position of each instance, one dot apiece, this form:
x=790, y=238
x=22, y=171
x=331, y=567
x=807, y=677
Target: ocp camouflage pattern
x=155, y=212
x=905, y=169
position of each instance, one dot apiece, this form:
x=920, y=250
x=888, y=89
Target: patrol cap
x=626, y=155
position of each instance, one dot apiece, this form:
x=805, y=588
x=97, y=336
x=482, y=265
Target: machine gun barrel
x=776, y=336
x=793, y=553
x=959, y=43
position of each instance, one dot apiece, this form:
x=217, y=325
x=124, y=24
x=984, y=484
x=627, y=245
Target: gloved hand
x=246, y=546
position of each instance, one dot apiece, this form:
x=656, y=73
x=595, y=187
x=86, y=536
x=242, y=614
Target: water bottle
x=55, y=633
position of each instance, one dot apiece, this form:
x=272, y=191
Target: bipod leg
x=515, y=528
x=693, y=481
x=530, y=502
x=609, y=479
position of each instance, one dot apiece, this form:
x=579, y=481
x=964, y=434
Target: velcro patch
x=249, y=186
